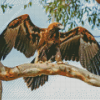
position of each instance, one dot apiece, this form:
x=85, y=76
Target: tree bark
x=47, y=68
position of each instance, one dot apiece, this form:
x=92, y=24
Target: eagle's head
x=55, y=26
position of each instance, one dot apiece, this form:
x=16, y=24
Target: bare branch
x=97, y=36
x=25, y=70
x=4, y=2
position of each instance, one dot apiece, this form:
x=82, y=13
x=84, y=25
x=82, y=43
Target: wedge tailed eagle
x=77, y=45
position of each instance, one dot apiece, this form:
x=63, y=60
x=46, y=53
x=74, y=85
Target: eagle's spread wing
x=79, y=45
x=21, y=34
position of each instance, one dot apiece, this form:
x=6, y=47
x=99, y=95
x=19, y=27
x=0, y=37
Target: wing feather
x=21, y=34
x=80, y=45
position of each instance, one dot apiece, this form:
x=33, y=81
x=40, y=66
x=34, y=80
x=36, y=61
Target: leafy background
x=70, y=13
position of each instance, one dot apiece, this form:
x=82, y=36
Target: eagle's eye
x=59, y=24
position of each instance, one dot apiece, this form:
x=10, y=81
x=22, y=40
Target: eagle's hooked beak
x=60, y=26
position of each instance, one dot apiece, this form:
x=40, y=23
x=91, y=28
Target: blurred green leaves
x=71, y=13
x=5, y=6
x=28, y=5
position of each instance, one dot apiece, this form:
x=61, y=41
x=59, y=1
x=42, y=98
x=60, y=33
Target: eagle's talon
x=60, y=62
x=66, y=63
x=40, y=61
x=49, y=61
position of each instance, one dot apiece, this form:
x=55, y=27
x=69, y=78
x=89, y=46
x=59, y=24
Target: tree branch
x=4, y=2
x=46, y=68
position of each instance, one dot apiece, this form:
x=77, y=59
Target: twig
x=97, y=36
x=4, y=2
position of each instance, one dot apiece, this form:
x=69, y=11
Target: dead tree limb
x=46, y=68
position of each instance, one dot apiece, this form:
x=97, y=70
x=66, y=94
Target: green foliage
x=28, y=5
x=72, y=12
x=5, y=6
x=25, y=6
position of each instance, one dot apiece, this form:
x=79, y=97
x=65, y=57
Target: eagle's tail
x=35, y=82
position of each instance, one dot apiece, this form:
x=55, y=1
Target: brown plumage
x=77, y=45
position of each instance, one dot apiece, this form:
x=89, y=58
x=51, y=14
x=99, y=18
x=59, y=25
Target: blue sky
x=58, y=87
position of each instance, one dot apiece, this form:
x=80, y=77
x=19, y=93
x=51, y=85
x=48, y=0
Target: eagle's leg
x=41, y=56
x=44, y=56
x=36, y=59
x=58, y=56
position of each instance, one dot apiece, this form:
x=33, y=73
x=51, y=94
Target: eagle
x=77, y=44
